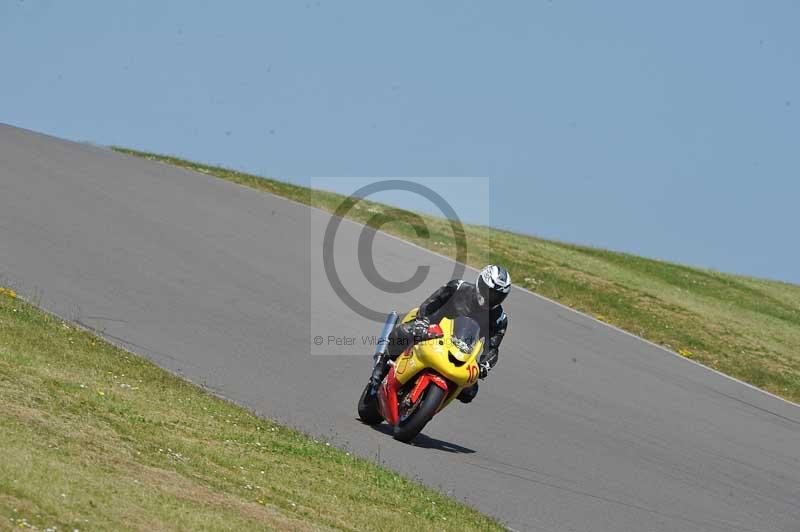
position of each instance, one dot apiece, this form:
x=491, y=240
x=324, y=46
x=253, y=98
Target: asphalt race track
x=580, y=427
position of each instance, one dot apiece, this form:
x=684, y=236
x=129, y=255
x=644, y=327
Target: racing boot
x=468, y=394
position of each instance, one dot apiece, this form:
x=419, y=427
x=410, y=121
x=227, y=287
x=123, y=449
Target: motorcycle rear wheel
x=407, y=430
x=368, y=407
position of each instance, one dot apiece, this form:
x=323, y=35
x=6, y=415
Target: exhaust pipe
x=383, y=338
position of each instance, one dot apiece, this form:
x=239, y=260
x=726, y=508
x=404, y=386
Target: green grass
x=95, y=438
x=744, y=327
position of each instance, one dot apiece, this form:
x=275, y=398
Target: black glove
x=487, y=361
x=420, y=329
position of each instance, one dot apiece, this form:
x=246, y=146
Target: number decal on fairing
x=473, y=373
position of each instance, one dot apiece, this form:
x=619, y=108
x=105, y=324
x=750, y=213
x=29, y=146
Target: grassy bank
x=95, y=438
x=748, y=328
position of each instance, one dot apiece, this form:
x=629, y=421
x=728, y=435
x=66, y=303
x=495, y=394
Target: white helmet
x=494, y=284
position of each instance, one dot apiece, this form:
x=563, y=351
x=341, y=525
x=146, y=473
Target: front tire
x=406, y=430
x=368, y=407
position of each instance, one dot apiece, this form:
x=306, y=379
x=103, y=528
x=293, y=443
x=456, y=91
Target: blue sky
x=667, y=129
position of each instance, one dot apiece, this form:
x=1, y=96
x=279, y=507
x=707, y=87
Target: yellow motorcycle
x=425, y=378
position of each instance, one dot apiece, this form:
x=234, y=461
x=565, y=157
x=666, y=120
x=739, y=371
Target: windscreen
x=466, y=332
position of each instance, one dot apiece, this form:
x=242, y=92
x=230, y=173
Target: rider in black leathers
x=479, y=301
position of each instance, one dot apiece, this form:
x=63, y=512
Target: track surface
x=580, y=427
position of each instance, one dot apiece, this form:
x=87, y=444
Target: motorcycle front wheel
x=409, y=426
x=368, y=407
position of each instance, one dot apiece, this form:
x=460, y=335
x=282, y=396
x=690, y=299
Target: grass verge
x=745, y=327
x=95, y=438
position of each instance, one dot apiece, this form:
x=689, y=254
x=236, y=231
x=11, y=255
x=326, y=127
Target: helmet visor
x=492, y=296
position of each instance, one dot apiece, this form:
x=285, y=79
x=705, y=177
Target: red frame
x=387, y=398
x=423, y=380
x=387, y=393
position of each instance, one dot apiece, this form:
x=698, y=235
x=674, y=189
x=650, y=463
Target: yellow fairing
x=438, y=354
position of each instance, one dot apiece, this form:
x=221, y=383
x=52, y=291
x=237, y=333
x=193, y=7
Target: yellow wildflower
x=7, y=292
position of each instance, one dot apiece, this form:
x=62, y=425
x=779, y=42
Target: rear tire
x=368, y=407
x=407, y=430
